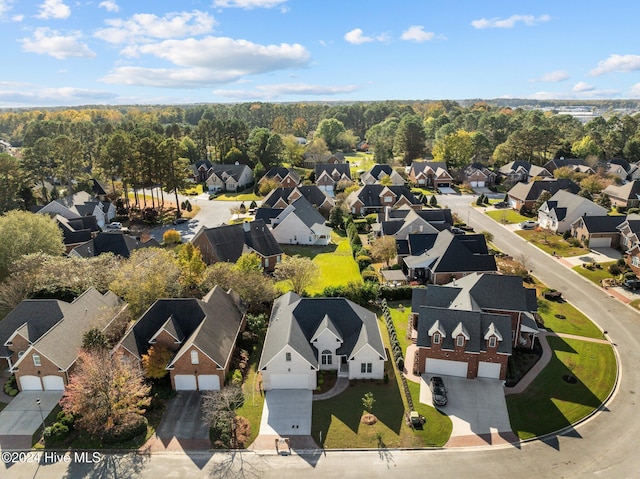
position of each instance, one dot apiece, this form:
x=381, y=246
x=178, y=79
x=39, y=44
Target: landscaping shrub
x=371, y=218
x=396, y=294
x=621, y=262
x=566, y=235
x=361, y=225
x=133, y=426
x=55, y=433
x=615, y=270
x=171, y=237
x=65, y=419
x=574, y=242
x=363, y=261
x=370, y=275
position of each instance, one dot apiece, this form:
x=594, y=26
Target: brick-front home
x=526, y=194
x=201, y=333
x=627, y=195
x=40, y=338
x=376, y=198
x=630, y=241
x=328, y=175
x=598, y=231
x=430, y=174
x=286, y=177
x=229, y=242
x=284, y=196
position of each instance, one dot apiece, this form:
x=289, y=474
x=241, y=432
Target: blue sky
x=67, y=52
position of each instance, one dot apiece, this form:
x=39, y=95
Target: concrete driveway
x=182, y=426
x=21, y=418
x=287, y=412
x=477, y=409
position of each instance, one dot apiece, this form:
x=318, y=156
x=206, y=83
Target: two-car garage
x=461, y=368
x=191, y=382
x=34, y=383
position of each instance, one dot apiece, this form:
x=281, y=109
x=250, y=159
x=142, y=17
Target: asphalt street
x=603, y=446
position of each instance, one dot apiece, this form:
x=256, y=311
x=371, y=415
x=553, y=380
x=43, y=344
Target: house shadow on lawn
x=347, y=408
x=537, y=411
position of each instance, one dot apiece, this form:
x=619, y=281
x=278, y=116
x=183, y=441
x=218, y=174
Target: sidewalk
x=528, y=378
x=340, y=385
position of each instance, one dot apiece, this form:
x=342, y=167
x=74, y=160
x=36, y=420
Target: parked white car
x=114, y=225
x=528, y=225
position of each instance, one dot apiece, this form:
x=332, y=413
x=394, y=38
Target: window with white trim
x=326, y=357
x=36, y=360
x=388, y=199
x=635, y=261
x=194, y=357
x=436, y=338
x=492, y=342
x=460, y=340
x=366, y=367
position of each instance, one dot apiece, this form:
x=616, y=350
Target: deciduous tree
x=300, y=272
x=384, y=249
x=155, y=362
x=219, y=411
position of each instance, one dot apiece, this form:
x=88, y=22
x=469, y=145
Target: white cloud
x=109, y=5
x=583, y=87
x=634, y=91
x=208, y=61
x=356, y=37
x=50, y=42
x=617, y=63
x=146, y=26
x=283, y=89
x=17, y=18
x=27, y=94
x=577, y=95
x=416, y=33
x=53, y=9
x=5, y=6
x=249, y=4
x=529, y=20
x=552, y=77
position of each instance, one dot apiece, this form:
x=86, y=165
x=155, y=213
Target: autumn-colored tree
x=267, y=185
x=171, y=237
x=219, y=411
x=254, y=287
x=300, y=272
x=249, y=262
x=154, y=363
x=384, y=249
x=191, y=264
x=106, y=394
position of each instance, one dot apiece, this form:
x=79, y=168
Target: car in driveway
x=501, y=205
x=181, y=220
x=528, y=225
x=632, y=284
x=114, y=225
x=438, y=391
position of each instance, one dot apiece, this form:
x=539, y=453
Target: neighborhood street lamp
x=38, y=402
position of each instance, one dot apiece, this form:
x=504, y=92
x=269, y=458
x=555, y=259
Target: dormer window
x=436, y=338
x=492, y=342
x=388, y=199
x=460, y=340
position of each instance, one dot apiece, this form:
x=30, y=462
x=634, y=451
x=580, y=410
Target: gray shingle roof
x=295, y=320
x=282, y=172
x=38, y=315
x=370, y=195
x=307, y=213
x=312, y=193
x=334, y=170
x=630, y=190
x=116, y=242
x=531, y=191
x=475, y=323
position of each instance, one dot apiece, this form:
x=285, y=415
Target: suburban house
x=430, y=174
x=630, y=241
x=310, y=161
x=526, y=194
x=414, y=244
x=306, y=335
x=576, y=164
x=116, y=242
x=229, y=177
x=522, y=171
x=598, y=231
x=76, y=231
x=98, y=190
x=5, y=147
x=391, y=221
x=376, y=198
x=468, y=327
x=229, y=242
x=618, y=167
x=399, y=228
x=379, y=172
x=560, y=211
x=81, y=204
x=298, y=223
x=282, y=176
x=40, y=338
x=328, y=175
x=284, y=196
x=627, y=195
x=452, y=256
x=201, y=334
x=477, y=175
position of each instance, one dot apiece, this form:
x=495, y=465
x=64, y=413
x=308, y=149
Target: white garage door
x=600, y=243
x=208, y=382
x=448, y=368
x=30, y=383
x=289, y=381
x=477, y=184
x=185, y=382
x=489, y=370
x=53, y=383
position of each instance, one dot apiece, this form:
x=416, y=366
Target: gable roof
x=525, y=166
x=229, y=242
x=295, y=320
x=307, y=213
x=556, y=163
x=601, y=223
x=77, y=230
x=267, y=214
x=418, y=167
x=369, y=195
x=628, y=191
x=475, y=324
x=33, y=317
x=564, y=202
x=282, y=172
x=312, y=193
x=531, y=191
x=116, y=242
x=212, y=324
x=224, y=171
x=334, y=170
x=61, y=342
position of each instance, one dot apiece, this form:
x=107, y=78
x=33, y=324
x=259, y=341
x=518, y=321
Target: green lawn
x=551, y=243
x=253, y=398
x=635, y=304
x=243, y=196
x=337, y=266
x=574, y=321
x=550, y=403
x=507, y=216
x=401, y=322
x=597, y=275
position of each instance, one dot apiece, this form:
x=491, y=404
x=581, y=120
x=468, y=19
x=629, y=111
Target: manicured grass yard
x=243, y=196
x=550, y=403
x=635, y=304
x=253, y=398
x=574, y=321
x=401, y=322
x=553, y=243
x=507, y=216
x=596, y=275
x=337, y=266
